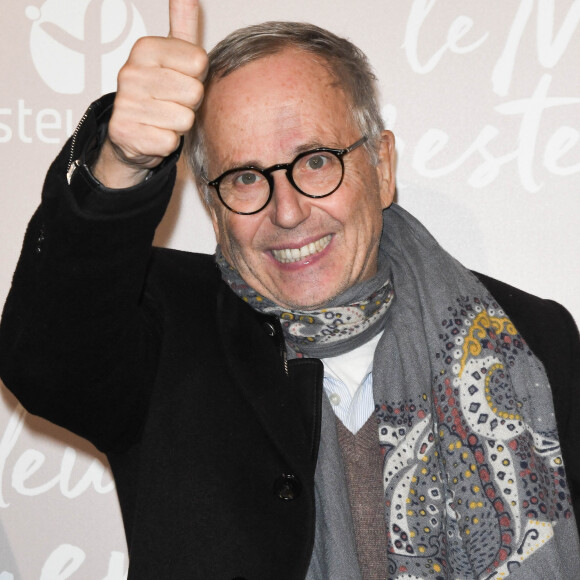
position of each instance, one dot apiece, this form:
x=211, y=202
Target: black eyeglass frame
x=289, y=168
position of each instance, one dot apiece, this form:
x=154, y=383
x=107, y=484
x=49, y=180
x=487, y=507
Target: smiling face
x=299, y=252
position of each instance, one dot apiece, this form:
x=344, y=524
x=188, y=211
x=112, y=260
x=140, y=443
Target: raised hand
x=159, y=89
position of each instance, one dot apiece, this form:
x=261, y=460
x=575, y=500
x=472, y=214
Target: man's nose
x=289, y=206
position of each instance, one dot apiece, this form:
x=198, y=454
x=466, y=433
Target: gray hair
x=345, y=61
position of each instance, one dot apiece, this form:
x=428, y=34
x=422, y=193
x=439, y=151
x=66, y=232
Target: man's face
x=266, y=113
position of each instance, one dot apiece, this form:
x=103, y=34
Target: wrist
x=114, y=173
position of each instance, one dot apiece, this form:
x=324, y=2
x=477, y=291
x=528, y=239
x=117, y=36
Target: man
x=433, y=451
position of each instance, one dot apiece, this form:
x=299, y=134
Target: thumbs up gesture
x=159, y=89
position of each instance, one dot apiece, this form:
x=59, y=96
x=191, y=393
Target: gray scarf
x=473, y=476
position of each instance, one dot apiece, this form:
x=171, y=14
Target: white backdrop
x=484, y=98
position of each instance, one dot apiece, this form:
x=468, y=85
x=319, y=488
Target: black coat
x=150, y=356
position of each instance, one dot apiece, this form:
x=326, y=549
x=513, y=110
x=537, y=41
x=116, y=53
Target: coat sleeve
x=79, y=338
x=567, y=404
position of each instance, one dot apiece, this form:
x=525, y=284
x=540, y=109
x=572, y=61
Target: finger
x=170, y=53
x=170, y=116
x=151, y=146
x=140, y=84
x=167, y=115
x=183, y=19
x=155, y=144
x=178, y=88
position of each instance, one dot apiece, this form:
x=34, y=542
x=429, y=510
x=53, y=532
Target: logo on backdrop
x=78, y=47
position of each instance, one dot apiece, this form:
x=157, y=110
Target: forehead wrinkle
x=286, y=117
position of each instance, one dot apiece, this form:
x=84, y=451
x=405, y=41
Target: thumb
x=183, y=19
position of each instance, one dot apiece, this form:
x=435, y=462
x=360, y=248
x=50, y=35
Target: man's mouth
x=287, y=256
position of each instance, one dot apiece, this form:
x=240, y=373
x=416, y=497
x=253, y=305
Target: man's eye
x=316, y=161
x=246, y=179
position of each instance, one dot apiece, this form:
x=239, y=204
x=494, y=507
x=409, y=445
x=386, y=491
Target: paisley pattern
x=471, y=489
x=333, y=324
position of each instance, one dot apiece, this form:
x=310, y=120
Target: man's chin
x=296, y=292
x=309, y=302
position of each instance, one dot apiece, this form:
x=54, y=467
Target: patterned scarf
x=472, y=470
x=348, y=321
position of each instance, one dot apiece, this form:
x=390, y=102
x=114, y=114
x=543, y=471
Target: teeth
x=296, y=254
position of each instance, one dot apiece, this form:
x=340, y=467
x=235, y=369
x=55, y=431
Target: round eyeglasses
x=315, y=173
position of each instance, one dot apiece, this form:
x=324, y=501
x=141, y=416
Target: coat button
x=287, y=487
x=270, y=329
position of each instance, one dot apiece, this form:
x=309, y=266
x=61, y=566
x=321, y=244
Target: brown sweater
x=364, y=468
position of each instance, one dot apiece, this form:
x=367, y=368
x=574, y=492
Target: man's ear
x=386, y=168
